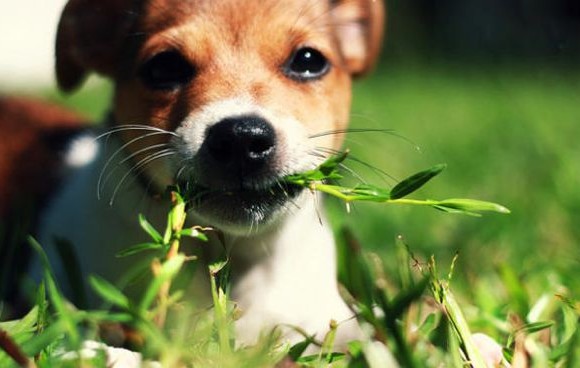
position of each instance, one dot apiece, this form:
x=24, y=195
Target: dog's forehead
x=236, y=15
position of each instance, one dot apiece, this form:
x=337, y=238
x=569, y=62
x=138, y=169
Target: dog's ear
x=89, y=38
x=359, y=28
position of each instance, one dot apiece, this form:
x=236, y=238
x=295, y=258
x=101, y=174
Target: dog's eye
x=166, y=70
x=306, y=64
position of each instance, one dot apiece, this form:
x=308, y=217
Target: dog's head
x=241, y=86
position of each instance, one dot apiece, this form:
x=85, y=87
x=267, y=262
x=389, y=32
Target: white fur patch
x=82, y=151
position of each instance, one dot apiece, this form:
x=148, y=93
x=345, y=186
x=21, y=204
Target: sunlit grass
x=506, y=134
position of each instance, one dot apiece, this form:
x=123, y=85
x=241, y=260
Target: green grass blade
x=328, y=170
x=195, y=233
x=49, y=336
x=377, y=355
x=58, y=302
x=299, y=348
x=370, y=193
x=573, y=356
x=471, y=205
x=357, y=276
x=24, y=325
x=168, y=271
x=458, y=323
x=109, y=292
x=462, y=330
x=317, y=180
x=138, y=248
x=527, y=329
x=429, y=324
x=414, y=182
x=518, y=294
x=218, y=273
x=149, y=229
x=405, y=298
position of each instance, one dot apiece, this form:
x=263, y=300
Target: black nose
x=245, y=143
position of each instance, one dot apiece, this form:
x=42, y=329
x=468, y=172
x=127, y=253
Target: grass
x=507, y=135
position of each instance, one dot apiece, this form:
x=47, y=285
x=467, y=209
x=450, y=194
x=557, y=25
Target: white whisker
x=354, y=130
x=136, y=153
x=100, y=182
x=145, y=161
x=123, y=128
x=180, y=171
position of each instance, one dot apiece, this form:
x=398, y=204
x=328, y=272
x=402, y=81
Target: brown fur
x=33, y=133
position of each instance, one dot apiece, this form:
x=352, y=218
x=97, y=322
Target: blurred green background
x=492, y=88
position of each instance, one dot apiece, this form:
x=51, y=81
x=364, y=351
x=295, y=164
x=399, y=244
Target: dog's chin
x=241, y=211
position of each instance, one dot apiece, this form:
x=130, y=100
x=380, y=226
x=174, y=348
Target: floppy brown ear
x=359, y=28
x=89, y=38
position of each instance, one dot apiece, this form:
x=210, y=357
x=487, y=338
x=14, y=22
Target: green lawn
x=508, y=135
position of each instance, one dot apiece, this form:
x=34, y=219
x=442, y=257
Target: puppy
x=224, y=97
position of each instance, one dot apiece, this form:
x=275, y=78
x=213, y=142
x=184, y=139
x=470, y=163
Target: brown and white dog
x=228, y=97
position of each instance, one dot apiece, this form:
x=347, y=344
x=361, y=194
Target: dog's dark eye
x=306, y=64
x=166, y=70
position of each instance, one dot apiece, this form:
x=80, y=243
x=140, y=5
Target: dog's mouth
x=241, y=205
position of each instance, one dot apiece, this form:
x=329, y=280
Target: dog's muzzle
x=238, y=174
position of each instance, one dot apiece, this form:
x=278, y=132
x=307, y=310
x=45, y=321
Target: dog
x=226, y=97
